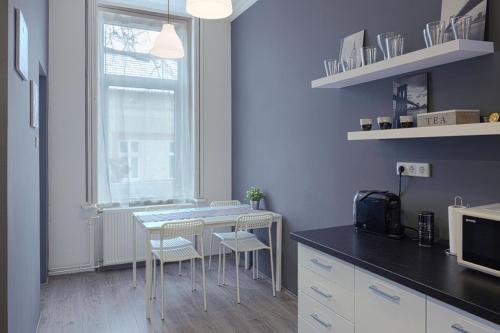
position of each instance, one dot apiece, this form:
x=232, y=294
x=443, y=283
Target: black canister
x=425, y=229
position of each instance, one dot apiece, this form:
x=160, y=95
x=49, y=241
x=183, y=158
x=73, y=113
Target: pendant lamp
x=209, y=9
x=168, y=45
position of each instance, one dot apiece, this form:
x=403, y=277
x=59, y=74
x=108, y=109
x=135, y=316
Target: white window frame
x=92, y=40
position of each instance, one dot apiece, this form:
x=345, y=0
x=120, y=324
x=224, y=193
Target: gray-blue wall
x=290, y=139
x=22, y=178
x=4, y=54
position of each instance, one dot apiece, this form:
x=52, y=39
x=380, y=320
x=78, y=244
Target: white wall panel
x=215, y=96
x=68, y=227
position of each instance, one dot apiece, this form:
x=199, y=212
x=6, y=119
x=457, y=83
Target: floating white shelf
x=427, y=132
x=446, y=53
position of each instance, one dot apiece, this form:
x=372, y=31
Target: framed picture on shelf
x=409, y=97
x=474, y=8
x=22, y=57
x=349, y=55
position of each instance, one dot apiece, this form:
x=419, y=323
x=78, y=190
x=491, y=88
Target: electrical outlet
x=415, y=169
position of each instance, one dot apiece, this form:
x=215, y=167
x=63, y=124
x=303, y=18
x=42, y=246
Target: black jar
x=425, y=229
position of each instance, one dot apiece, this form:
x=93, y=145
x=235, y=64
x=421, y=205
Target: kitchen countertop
x=428, y=270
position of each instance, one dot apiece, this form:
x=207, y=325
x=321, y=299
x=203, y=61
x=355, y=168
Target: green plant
x=255, y=194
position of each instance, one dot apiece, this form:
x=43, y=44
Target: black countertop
x=428, y=270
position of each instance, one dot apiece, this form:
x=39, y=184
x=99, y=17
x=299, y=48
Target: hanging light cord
x=168, y=11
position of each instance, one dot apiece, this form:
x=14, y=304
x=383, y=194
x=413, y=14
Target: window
x=145, y=145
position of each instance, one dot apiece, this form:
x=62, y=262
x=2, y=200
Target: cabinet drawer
x=443, y=318
x=322, y=319
x=330, y=268
x=326, y=292
x=304, y=327
x=383, y=306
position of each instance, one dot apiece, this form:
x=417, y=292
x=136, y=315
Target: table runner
x=192, y=213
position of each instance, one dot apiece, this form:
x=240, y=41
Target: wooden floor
x=107, y=302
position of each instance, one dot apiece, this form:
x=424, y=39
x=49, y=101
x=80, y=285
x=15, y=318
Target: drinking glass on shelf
x=368, y=55
x=382, y=44
x=395, y=46
x=426, y=39
x=348, y=64
x=435, y=32
x=331, y=66
x=461, y=26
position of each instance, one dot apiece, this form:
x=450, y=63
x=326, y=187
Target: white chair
x=238, y=245
x=168, y=244
x=224, y=235
x=170, y=232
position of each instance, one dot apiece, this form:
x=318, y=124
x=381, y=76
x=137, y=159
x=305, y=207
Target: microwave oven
x=478, y=238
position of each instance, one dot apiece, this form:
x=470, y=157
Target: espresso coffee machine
x=378, y=212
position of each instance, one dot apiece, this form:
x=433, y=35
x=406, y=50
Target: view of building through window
x=145, y=144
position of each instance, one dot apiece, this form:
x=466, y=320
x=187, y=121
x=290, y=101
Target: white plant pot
x=255, y=204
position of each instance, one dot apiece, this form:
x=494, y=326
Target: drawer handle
x=320, y=264
x=383, y=293
x=325, y=295
x=316, y=317
x=459, y=328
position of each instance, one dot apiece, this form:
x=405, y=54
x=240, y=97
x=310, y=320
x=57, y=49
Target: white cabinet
x=327, y=292
x=321, y=318
x=330, y=268
x=443, y=318
x=337, y=297
x=383, y=306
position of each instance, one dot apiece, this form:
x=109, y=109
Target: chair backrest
x=254, y=221
x=182, y=228
x=227, y=203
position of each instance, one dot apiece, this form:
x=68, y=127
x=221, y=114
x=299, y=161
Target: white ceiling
x=176, y=6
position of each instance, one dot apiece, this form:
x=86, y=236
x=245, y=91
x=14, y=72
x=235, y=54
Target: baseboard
x=38, y=324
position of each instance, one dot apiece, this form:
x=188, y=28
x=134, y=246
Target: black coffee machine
x=378, y=212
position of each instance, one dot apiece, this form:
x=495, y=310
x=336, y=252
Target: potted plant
x=254, y=195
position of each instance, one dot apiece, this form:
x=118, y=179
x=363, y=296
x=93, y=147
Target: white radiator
x=117, y=237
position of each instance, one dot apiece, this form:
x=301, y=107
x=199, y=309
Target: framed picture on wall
x=34, y=104
x=409, y=97
x=474, y=8
x=22, y=56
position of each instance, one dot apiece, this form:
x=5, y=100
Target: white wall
x=69, y=238
x=215, y=109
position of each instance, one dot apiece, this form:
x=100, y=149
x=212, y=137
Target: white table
x=154, y=227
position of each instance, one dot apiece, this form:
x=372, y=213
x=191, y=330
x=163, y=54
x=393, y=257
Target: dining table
x=150, y=222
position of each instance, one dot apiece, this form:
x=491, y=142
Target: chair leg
x=257, y=266
x=210, y=248
x=223, y=266
x=237, y=278
x=253, y=265
x=162, y=292
x=203, y=282
x=192, y=275
x=272, y=271
x=154, y=277
x=180, y=268
x=218, y=271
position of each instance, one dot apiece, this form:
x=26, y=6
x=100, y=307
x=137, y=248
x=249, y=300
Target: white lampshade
x=209, y=9
x=168, y=45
